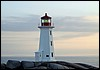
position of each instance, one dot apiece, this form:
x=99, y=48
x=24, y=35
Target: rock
x=27, y=64
x=71, y=68
x=44, y=64
x=78, y=66
x=65, y=67
x=13, y=64
x=3, y=66
x=36, y=64
x=86, y=65
x=72, y=65
x=40, y=67
x=65, y=64
x=56, y=66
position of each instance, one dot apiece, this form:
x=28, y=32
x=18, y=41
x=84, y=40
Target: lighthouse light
x=46, y=20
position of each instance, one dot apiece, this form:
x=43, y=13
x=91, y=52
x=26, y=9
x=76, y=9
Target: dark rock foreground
x=14, y=64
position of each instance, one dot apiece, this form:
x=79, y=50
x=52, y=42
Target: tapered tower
x=46, y=47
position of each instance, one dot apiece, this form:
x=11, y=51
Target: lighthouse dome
x=46, y=17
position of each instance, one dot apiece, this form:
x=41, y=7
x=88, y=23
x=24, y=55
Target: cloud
x=13, y=23
x=76, y=24
x=70, y=35
x=92, y=18
x=67, y=23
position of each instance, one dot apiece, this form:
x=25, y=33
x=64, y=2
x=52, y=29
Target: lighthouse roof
x=45, y=17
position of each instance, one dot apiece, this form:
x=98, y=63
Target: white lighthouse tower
x=46, y=47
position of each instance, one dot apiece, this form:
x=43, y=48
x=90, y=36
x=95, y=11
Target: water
x=92, y=60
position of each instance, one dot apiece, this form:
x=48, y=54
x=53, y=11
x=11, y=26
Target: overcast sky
x=72, y=15
x=54, y=8
x=79, y=17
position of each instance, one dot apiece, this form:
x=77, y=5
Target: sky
x=54, y=8
x=76, y=26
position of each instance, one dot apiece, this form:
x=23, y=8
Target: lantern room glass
x=46, y=21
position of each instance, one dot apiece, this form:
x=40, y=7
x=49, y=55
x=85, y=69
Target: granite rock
x=87, y=65
x=40, y=67
x=27, y=64
x=13, y=64
x=3, y=66
x=71, y=65
x=56, y=66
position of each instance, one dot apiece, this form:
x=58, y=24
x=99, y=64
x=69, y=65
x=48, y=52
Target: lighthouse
x=46, y=47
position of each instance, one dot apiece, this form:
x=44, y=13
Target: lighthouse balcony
x=45, y=26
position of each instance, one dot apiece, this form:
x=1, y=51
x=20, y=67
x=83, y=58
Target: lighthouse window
x=50, y=32
x=51, y=43
x=45, y=20
x=49, y=20
x=42, y=21
x=47, y=55
x=52, y=54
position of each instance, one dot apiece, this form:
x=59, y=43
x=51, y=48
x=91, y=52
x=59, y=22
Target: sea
x=91, y=60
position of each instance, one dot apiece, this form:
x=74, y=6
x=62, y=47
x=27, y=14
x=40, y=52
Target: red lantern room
x=45, y=20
